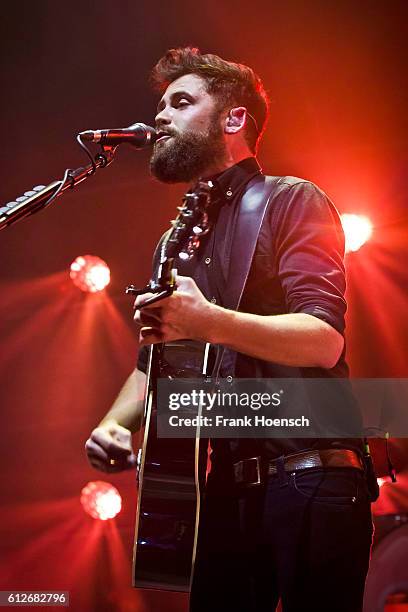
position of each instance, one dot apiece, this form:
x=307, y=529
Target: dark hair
x=231, y=84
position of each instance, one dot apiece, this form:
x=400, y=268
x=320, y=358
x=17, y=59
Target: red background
x=337, y=79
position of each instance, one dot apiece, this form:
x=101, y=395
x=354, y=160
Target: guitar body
x=168, y=470
x=169, y=492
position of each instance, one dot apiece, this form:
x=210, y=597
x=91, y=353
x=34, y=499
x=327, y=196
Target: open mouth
x=162, y=136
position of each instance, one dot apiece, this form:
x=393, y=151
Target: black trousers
x=303, y=537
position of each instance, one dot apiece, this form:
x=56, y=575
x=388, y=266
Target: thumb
x=131, y=460
x=184, y=283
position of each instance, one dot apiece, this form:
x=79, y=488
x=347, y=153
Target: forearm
x=127, y=409
x=295, y=339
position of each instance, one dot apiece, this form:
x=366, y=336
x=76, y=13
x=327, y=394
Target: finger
x=149, y=335
x=131, y=460
x=146, y=318
x=95, y=451
x=123, y=463
x=153, y=315
x=102, y=466
x=113, y=447
x=98, y=465
x=156, y=305
x=142, y=298
x=108, y=467
x=150, y=330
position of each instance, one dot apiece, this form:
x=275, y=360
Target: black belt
x=250, y=471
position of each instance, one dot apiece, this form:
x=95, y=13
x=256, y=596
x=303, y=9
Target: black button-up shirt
x=297, y=267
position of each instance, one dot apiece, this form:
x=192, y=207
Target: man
x=303, y=533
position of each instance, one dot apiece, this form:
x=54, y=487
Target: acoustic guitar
x=168, y=469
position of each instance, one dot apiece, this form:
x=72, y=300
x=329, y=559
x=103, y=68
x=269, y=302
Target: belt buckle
x=239, y=472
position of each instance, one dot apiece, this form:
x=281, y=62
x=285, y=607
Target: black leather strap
x=253, y=206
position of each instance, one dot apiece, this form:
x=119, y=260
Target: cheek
x=195, y=120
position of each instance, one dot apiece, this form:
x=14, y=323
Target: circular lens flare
x=357, y=230
x=90, y=273
x=101, y=500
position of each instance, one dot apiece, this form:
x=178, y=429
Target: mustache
x=165, y=132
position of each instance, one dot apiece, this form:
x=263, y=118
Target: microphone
x=139, y=135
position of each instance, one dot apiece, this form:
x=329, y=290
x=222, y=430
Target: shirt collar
x=233, y=179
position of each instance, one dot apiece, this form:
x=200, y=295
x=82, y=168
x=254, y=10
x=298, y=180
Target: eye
x=182, y=102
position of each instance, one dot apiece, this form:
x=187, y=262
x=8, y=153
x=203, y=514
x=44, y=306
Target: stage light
x=101, y=500
x=357, y=230
x=90, y=273
x=381, y=481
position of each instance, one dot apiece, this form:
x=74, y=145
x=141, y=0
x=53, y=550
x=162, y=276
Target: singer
x=295, y=524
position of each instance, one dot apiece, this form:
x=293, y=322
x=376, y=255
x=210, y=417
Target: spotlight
x=101, y=500
x=357, y=230
x=90, y=273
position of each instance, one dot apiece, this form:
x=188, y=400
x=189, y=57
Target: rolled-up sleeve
x=309, y=254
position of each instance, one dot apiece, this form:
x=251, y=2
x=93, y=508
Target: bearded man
x=302, y=508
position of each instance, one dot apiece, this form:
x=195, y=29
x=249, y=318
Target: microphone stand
x=41, y=196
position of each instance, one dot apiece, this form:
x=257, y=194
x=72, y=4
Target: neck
x=229, y=160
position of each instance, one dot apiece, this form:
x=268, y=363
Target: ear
x=235, y=120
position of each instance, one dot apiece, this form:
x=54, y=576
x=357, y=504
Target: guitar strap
x=253, y=207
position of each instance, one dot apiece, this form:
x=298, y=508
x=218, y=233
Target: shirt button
x=213, y=300
x=207, y=260
x=229, y=192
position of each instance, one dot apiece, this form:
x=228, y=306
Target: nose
x=163, y=118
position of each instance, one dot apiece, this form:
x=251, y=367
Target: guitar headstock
x=191, y=223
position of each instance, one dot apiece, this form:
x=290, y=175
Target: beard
x=187, y=157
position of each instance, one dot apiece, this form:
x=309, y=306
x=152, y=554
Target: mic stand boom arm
x=40, y=197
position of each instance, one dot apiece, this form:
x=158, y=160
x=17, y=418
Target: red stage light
x=90, y=273
x=101, y=500
x=357, y=230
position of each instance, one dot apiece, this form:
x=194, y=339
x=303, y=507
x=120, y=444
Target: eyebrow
x=176, y=94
